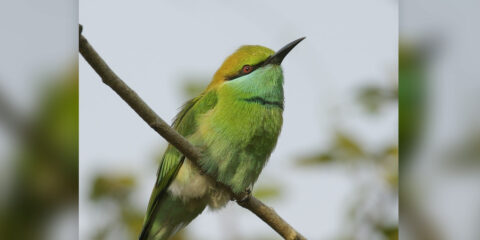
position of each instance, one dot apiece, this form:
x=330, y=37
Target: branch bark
x=246, y=200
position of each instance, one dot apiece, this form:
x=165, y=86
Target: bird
x=235, y=123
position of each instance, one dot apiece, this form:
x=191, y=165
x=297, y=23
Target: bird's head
x=252, y=70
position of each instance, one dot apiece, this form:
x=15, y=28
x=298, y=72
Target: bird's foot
x=245, y=195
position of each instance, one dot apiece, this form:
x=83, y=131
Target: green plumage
x=185, y=124
x=236, y=124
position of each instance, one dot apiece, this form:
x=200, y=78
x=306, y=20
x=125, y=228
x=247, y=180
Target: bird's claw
x=245, y=195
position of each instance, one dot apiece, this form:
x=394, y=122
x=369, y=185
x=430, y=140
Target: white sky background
x=152, y=45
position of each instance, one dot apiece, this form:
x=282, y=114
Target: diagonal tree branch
x=267, y=214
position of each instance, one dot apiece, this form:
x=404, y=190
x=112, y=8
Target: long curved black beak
x=278, y=57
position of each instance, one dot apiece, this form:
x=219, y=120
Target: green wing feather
x=186, y=124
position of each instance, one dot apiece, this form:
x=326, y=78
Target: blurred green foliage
x=412, y=99
x=373, y=97
x=45, y=160
x=344, y=148
x=114, y=187
x=390, y=233
x=117, y=190
x=414, y=60
x=268, y=191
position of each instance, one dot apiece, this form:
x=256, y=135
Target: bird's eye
x=247, y=69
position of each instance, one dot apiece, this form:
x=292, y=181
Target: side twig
x=267, y=214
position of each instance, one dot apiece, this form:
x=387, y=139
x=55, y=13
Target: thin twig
x=267, y=214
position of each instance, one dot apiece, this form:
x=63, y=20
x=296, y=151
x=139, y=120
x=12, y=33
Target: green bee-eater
x=235, y=122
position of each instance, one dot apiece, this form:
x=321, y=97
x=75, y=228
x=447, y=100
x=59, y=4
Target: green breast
x=239, y=137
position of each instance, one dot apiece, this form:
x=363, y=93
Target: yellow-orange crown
x=245, y=55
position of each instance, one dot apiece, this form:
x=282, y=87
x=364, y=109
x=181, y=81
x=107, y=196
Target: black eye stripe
x=241, y=73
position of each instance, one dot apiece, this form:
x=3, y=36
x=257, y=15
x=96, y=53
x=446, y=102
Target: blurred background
x=439, y=120
x=333, y=174
x=38, y=120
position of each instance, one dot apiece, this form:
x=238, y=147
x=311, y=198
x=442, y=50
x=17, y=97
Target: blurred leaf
x=391, y=151
x=267, y=192
x=132, y=219
x=412, y=99
x=389, y=161
x=321, y=158
x=347, y=147
x=343, y=149
x=117, y=187
x=390, y=233
x=373, y=97
x=117, y=190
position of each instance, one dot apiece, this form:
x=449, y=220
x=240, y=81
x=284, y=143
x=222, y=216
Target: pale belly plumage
x=190, y=184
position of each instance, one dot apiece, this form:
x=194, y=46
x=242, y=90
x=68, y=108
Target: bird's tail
x=170, y=215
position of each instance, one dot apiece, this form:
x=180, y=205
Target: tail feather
x=170, y=215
